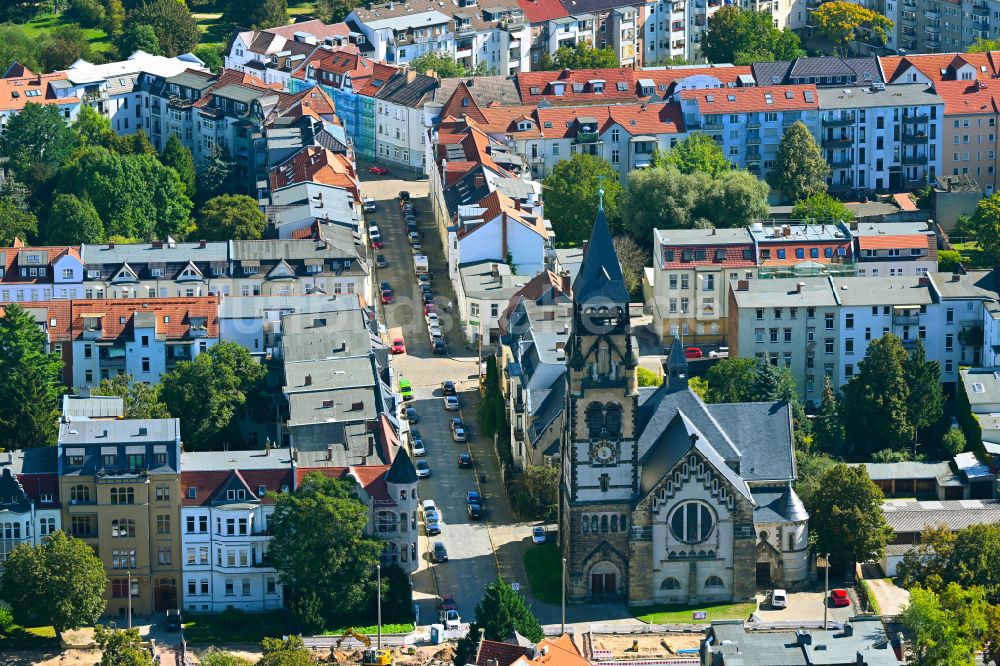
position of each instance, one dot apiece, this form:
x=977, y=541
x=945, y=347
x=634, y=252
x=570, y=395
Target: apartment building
x=274, y=53
x=939, y=26
x=40, y=273
x=894, y=248
x=790, y=249
x=881, y=137
x=498, y=228
x=788, y=321
x=120, y=491
x=820, y=71
x=29, y=498
x=483, y=290
x=400, y=135
x=225, y=512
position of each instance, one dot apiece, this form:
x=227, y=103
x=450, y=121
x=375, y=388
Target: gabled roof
x=496, y=204
x=209, y=484
x=754, y=99
x=173, y=317
x=401, y=471
x=539, y=11
x=939, y=66
x=234, y=482
x=969, y=97
x=499, y=653
x=600, y=275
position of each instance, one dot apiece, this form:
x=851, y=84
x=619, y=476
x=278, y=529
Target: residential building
x=962, y=299
x=483, y=290
x=881, y=137
x=789, y=249
x=653, y=507
x=498, y=228
x=225, y=512
x=788, y=321
x=981, y=389
x=820, y=71
x=29, y=498
x=894, y=248
x=557, y=651
x=307, y=210
x=20, y=86
x=40, y=273
x=119, y=484
x=933, y=26
x=319, y=166
x=271, y=54
x=399, y=134
x=861, y=642
x=534, y=332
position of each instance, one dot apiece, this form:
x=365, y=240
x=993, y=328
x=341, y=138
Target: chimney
x=202, y=243
x=157, y=245
x=786, y=230
x=924, y=281
x=848, y=629
x=111, y=245
x=803, y=637
x=411, y=75
x=799, y=286
x=309, y=380
x=329, y=453
x=743, y=285
x=517, y=204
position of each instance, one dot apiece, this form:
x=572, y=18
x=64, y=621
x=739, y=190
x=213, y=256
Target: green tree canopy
x=845, y=516
x=121, y=647
x=502, y=611
x=320, y=546
x=799, y=170
x=64, y=45
x=178, y=157
x=139, y=37
x=445, y=66
x=220, y=658
x=647, y=377
x=289, y=652
x=37, y=142
x=217, y=176
x=960, y=557
x=32, y=381
x=17, y=46
x=698, y=152
x=73, y=221
x=812, y=467
x=731, y=380
x=256, y=14
x=134, y=195
x=946, y=629
x=16, y=223
x=580, y=56
x=93, y=129
x=742, y=37
x=334, y=11
x=877, y=398
x=231, y=217
x=982, y=45
x=176, y=30
x=211, y=392
x=986, y=225
x=828, y=429
x=88, y=13
x=841, y=22
x=571, y=196
x=925, y=404
x=633, y=260
x=59, y=582
x=141, y=401
x=822, y=208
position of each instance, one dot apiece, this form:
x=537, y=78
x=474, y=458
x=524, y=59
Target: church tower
x=599, y=458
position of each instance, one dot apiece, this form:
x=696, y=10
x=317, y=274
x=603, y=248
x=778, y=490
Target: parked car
x=418, y=448
x=413, y=237
x=464, y=461
x=416, y=248
x=434, y=330
x=447, y=602
x=458, y=430
x=415, y=433
x=432, y=319
x=433, y=526
x=438, y=347
x=472, y=497
x=839, y=598
x=429, y=308
x=387, y=296
x=411, y=228
x=424, y=278
x=174, y=620
x=398, y=346
x=411, y=415
x=385, y=285
x=721, y=352
x=428, y=297
x=451, y=619
x=779, y=599
x=378, y=170
x=368, y=204
x=406, y=389
x=430, y=508
x=475, y=511
x=538, y=534
x=377, y=243
x=693, y=352
x=451, y=403
x=440, y=553
x=404, y=197
x=423, y=469
x=381, y=261
x=448, y=387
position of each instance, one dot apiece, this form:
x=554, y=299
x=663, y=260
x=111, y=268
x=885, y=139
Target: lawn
x=678, y=614
x=373, y=630
x=221, y=628
x=977, y=258
x=543, y=564
x=20, y=638
x=43, y=24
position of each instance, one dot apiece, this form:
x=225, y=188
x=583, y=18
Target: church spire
x=677, y=367
x=600, y=277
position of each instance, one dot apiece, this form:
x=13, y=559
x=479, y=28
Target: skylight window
x=622, y=86
x=768, y=98
x=789, y=94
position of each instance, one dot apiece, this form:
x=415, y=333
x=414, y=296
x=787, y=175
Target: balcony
x=910, y=5
x=838, y=142
x=841, y=163
x=905, y=320
x=839, y=121
x=753, y=140
x=981, y=11
x=588, y=137
x=914, y=160
x=915, y=119
x=932, y=15
x=753, y=124
x=932, y=30
x=710, y=127
x=914, y=138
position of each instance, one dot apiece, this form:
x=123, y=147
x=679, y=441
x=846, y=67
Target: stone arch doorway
x=166, y=594
x=605, y=578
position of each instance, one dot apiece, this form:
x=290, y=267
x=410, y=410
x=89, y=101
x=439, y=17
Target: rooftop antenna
x=600, y=192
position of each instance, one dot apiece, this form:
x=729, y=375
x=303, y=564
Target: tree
x=821, y=207
x=743, y=37
x=231, y=217
x=65, y=45
x=36, y=143
x=217, y=176
x=841, y=22
x=59, y=582
x=571, y=196
x=950, y=260
x=93, y=129
x=209, y=393
x=114, y=18
x=215, y=657
x=846, y=516
x=982, y=45
x=699, y=387
x=812, y=467
x=307, y=609
x=581, y=56
x=963, y=557
x=17, y=46
x=890, y=456
x=22, y=11
x=397, y=596
x=925, y=404
x=140, y=399
x=828, y=430
x=730, y=380
x=178, y=157
x=256, y=14
x=648, y=377
x=15, y=223
x=139, y=37
x=663, y=198
x=134, y=195
x=31, y=378
x=73, y=221
x=121, y=647
x=88, y=13
x=541, y=484
x=926, y=565
x=736, y=199
x=291, y=651
x=335, y=11
x=176, y=30
x=985, y=222
x=698, y=152
x=502, y=611
x=319, y=544
x=877, y=398
x=633, y=260
x=442, y=65
x=942, y=635
x=800, y=170
x=953, y=442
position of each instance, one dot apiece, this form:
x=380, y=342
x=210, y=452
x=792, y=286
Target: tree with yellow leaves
x=842, y=22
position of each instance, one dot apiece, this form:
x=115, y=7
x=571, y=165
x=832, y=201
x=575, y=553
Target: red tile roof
x=208, y=483
x=179, y=310
x=11, y=269
x=932, y=64
x=500, y=654
x=749, y=100
x=904, y=202
x=537, y=11
x=314, y=27
x=345, y=60
x=370, y=85
x=371, y=478
x=318, y=165
x=17, y=91
x=497, y=204
x=969, y=97
x=733, y=256
x=536, y=86
x=901, y=242
x=635, y=119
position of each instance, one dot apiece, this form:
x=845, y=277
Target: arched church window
x=613, y=419
x=791, y=541
x=595, y=419
x=621, y=523
x=593, y=524
x=670, y=583
x=585, y=522
x=714, y=581
x=604, y=523
x=614, y=523
x=692, y=522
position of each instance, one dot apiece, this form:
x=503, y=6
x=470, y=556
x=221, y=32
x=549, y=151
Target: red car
x=377, y=244
x=387, y=296
x=429, y=308
x=398, y=346
x=448, y=602
x=378, y=171
x=692, y=352
x=839, y=598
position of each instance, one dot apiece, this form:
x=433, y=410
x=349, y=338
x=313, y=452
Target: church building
x=666, y=499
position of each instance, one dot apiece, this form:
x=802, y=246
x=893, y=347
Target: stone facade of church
x=666, y=499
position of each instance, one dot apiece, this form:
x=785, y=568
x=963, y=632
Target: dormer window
x=558, y=88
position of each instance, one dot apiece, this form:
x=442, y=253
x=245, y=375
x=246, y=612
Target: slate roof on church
x=600, y=275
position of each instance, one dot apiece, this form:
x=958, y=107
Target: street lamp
x=378, y=596
x=129, y=573
x=563, y=586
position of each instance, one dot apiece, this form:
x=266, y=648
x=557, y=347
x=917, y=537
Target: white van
x=779, y=599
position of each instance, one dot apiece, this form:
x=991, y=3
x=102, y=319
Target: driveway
x=891, y=598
